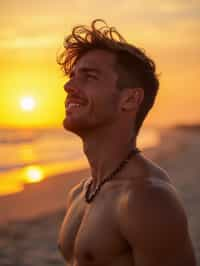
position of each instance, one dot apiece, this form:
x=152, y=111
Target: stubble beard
x=84, y=127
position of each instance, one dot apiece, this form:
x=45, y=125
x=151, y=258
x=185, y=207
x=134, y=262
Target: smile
x=72, y=105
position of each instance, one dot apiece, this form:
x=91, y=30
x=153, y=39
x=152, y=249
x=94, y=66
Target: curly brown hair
x=133, y=66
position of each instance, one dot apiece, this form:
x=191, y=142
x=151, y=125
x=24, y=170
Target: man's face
x=92, y=96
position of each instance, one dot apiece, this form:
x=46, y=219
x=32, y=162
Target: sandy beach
x=30, y=220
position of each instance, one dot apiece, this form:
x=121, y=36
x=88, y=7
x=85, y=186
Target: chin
x=73, y=126
x=82, y=127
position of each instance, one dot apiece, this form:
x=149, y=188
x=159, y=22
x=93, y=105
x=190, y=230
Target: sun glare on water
x=27, y=103
x=33, y=174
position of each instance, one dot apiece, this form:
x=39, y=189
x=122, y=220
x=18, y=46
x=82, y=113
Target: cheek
x=105, y=104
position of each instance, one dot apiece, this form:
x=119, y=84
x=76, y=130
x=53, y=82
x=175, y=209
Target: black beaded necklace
x=89, y=196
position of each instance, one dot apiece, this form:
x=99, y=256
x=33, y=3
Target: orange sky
x=32, y=31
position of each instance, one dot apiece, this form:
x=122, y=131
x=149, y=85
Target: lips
x=74, y=103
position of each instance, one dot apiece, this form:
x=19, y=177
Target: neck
x=106, y=149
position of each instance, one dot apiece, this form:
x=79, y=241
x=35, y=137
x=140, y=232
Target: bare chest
x=89, y=234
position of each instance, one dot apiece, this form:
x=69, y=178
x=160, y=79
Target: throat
x=89, y=195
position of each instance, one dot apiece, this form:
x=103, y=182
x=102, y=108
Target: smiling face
x=92, y=94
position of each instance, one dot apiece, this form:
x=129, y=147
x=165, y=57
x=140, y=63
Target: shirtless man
x=128, y=213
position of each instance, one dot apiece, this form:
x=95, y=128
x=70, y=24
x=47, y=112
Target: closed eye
x=86, y=74
x=91, y=76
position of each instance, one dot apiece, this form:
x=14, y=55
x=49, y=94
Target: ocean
x=30, y=155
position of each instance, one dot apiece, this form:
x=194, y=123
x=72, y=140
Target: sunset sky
x=31, y=32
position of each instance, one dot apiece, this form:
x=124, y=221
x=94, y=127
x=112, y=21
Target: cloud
x=171, y=23
x=28, y=42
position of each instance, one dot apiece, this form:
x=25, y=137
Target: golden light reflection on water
x=10, y=187
x=15, y=180
x=33, y=174
x=26, y=153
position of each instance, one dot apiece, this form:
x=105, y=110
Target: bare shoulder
x=153, y=220
x=152, y=196
x=75, y=191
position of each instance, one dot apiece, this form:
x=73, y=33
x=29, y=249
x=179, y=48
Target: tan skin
x=137, y=218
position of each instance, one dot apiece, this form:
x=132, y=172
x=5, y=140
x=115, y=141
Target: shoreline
x=39, y=198
x=29, y=203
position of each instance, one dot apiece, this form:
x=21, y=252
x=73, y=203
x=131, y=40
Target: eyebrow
x=86, y=70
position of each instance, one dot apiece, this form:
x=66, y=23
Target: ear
x=131, y=98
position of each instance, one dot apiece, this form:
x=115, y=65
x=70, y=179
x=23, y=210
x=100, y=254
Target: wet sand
x=30, y=220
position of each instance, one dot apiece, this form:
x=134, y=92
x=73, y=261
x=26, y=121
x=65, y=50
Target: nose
x=69, y=86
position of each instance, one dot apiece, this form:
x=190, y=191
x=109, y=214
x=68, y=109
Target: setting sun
x=27, y=103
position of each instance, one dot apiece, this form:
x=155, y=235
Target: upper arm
x=154, y=223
